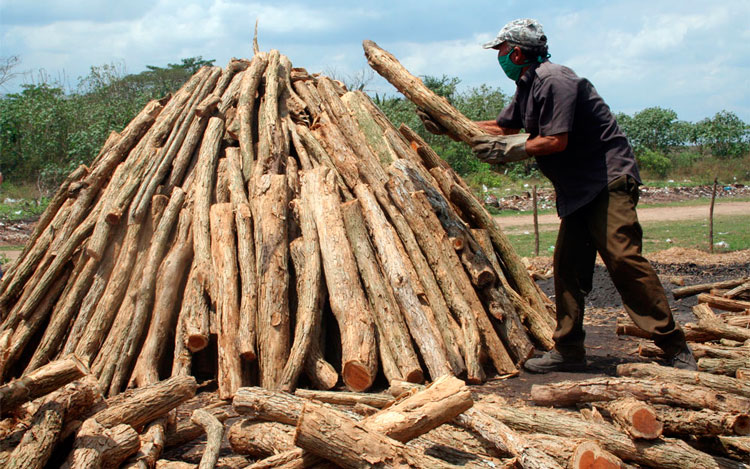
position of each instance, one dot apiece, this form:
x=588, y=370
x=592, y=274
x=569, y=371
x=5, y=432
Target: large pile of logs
x=259, y=225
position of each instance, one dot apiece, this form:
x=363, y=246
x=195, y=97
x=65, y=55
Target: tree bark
x=684, y=422
x=99, y=446
x=721, y=384
x=146, y=291
x=226, y=298
x=494, y=347
x=214, y=434
x=145, y=404
x=40, y=382
x=58, y=409
x=246, y=111
x=539, y=318
x=437, y=107
x=334, y=436
x=170, y=281
x=394, y=263
x=260, y=439
x=346, y=297
x=272, y=254
x=246, y=339
x=308, y=267
x=393, y=334
x=568, y=393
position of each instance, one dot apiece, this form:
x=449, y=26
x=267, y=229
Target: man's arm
x=546, y=145
x=492, y=128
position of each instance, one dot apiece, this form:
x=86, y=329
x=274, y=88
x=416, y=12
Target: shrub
x=654, y=162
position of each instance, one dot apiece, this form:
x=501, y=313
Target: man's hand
x=496, y=149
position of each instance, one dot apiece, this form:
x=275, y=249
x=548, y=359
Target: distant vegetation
x=46, y=131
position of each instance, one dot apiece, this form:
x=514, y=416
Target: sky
x=689, y=56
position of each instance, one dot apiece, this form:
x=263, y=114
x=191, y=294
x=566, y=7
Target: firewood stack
x=282, y=218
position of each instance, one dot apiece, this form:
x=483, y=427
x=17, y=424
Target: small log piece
x=143, y=405
x=637, y=418
x=589, y=455
x=352, y=445
x=346, y=398
x=685, y=422
x=260, y=439
x=566, y=393
x=723, y=366
x=40, y=382
x=98, y=446
x=723, y=384
x=214, y=434
x=689, y=290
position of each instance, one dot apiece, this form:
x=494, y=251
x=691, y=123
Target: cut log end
x=741, y=425
x=357, y=376
x=647, y=424
x=415, y=376
x=588, y=455
x=196, y=342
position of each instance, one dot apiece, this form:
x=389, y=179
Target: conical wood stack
x=275, y=214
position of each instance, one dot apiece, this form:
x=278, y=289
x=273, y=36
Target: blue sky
x=690, y=56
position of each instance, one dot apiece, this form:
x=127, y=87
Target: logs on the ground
x=39, y=382
x=659, y=392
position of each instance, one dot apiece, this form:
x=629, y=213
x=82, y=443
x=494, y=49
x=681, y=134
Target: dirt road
x=645, y=214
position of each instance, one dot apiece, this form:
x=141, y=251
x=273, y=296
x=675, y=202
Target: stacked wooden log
x=282, y=218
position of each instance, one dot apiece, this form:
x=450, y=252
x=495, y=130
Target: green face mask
x=512, y=71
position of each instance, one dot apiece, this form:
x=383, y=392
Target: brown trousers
x=609, y=225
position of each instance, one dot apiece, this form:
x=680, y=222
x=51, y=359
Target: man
x=579, y=147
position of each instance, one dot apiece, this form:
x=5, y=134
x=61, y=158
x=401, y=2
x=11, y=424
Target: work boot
x=555, y=361
x=684, y=359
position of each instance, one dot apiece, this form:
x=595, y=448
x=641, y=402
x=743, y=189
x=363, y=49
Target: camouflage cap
x=523, y=32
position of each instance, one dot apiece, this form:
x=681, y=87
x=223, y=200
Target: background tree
x=725, y=134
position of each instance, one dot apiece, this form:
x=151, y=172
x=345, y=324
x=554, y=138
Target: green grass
x=734, y=230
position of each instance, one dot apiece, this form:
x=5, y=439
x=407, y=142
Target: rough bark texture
x=226, y=298
x=260, y=439
x=40, y=382
x=722, y=384
x=659, y=392
x=308, y=267
x=272, y=254
x=347, y=299
x=666, y=453
x=413, y=88
x=393, y=336
x=334, y=436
